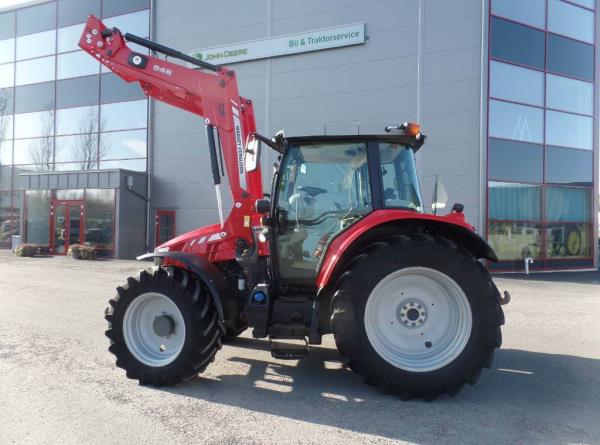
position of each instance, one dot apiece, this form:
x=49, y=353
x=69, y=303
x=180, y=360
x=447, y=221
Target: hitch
x=506, y=299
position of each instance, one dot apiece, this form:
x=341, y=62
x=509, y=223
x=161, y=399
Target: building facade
x=504, y=89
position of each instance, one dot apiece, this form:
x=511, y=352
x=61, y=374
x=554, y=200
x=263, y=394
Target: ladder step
x=289, y=351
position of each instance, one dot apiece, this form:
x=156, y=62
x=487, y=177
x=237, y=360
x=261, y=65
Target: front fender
x=210, y=275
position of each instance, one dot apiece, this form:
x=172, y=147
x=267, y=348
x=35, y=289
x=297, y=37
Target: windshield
x=399, y=175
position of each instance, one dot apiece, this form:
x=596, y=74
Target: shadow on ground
x=526, y=397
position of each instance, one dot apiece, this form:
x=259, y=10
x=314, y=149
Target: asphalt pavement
x=58, y=383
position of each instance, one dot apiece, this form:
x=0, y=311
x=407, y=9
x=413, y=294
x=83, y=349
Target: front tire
x=163, y=327
x=417, y=316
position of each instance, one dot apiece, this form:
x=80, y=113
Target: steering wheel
x=312, y=191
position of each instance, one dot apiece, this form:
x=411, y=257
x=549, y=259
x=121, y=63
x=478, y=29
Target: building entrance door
x=66, y=225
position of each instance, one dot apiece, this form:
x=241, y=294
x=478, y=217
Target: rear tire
x=181, y=333
x=384, y=301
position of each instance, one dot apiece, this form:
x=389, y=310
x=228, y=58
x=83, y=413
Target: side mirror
x=263, y=206
x=252, y=153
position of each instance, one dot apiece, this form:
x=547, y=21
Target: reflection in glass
x=76, y=11
x=568, y=204
x=570, y=21
x=68, y=38
x=566, y=56
x=587, y=3
x=124, y=115
x=563, y=93
x=137, y=23
x=6, y=220
x=114, y=7
x=76, y=120
x=515, y=240
x=36, y=19
x=5, y=155
x=515, y=161
x=6, y=101
x=6, y=127
x=568, y=241
x=34, y=97
x=7, y=25
x=99, y=220
x=6, y=177
x=399, y=176
x=38, y=152
x=37, y=224
x=124, y=144
x=7, y=50
x=82, y=148
x=511, y=201
x=137, y=165
x=517, y=43
x=77, y=91
x=76, y=64
x=569, y=130
x=7, y=75
x=36, y=45
x=532, y=12
x=31, y=125
x=518, y=122
x=115, y=89
x=515, y=83
x=70, y=194
x=570, y=167
x=35, y=70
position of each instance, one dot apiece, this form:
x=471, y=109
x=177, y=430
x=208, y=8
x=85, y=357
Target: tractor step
x=290, y=350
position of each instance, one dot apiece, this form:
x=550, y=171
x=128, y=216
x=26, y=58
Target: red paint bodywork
x=215, y=97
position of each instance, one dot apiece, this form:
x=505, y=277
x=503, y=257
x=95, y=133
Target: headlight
x=161, y=250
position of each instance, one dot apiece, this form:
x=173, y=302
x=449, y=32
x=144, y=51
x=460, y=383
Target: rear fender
x=210, y=275
x=372, y=228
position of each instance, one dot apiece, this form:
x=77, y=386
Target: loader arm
x=211, y=93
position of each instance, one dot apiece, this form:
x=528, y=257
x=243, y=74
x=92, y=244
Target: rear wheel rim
x=418, y=319
x=154, y=329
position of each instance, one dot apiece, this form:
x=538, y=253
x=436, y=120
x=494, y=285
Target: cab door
x=322, y=189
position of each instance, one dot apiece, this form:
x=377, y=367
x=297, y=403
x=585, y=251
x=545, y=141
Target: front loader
x=339, y=246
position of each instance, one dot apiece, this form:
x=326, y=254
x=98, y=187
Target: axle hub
x=163, y=325
x=412, y=313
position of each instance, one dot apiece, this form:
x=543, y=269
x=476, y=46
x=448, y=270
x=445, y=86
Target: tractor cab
x=327, y=184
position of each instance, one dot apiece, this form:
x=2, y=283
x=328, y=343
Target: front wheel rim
x=418, y=319
x=154, y=329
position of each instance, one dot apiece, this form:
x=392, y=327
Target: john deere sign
x=353, y=34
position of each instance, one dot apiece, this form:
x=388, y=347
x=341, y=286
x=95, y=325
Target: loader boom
x=211, y=94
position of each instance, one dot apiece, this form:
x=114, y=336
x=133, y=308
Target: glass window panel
x=123, y=144
x=38, y=152
x=516, y=83
x=6, y=101
x=99, y=220
x=72, y=166
x=76, y=11
x=568, y=241
x=571, y=21
x=77, y=92
x=515, y=161
x=587, y=3
x=115, y=89
x=569, y=130
x=6, y=127
x=517, y=43
x=7, y=50
x=115, y=7
x=532, y=12
x=7, y=75
x=68, y=38
x=511, y=201
x=568, y=94
x=124, y=115
x=36, y=19
x=5, y=154
x=7, y=25
x=38, y=216
x=17, y=206
x=566, y=56
x=518, y=122
x=5, y=177
x=35, y=70
x=136, y=165
x=77, y=120
x=81, y=149
x=566, y=166
x=568, y=204
x=35, y=97
x=137, y=23
x=36, y=45
x=6, y=222
x=31, y=125
x=77, y=64
x=515, y=240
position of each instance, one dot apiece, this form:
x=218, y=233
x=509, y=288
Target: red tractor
x=341, y=245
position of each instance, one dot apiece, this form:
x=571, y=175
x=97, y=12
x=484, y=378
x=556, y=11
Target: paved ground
x=58, y=384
